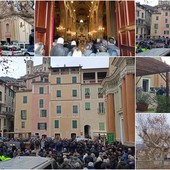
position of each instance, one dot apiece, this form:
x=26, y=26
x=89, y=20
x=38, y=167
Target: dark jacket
x=58, y=50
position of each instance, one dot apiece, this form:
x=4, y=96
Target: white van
x=27, y=162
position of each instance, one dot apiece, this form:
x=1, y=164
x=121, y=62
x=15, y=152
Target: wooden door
x=44, y=24
x=125, y=18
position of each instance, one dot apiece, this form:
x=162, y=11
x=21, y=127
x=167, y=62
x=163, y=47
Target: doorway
x=73, y=136
x=145, y=85
x=87, y=131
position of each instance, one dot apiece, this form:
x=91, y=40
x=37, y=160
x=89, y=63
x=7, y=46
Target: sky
x=18, y=66
x=148, y=2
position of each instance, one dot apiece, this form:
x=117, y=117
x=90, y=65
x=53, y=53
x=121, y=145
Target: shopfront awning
x=148, y=66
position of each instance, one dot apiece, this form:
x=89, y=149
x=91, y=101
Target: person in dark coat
x=58, y=48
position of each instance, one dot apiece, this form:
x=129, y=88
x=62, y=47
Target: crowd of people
x=98, y=47
x=143, y=45
x=72, y=154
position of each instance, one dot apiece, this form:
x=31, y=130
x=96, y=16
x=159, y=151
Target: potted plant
x=142, y=101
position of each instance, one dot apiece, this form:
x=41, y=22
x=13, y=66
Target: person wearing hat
x=88, y=51
x=103, y=49
x=112, y=48
x=58, y=49
x=73, y=45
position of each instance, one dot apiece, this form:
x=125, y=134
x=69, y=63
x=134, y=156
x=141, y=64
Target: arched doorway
x=73, y=135
x=87, y=131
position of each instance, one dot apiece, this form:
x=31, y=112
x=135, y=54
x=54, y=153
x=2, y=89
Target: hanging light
x=81, y=21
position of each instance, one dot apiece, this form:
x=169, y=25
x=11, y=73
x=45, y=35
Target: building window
x=58, y=80
x=166, y=13
x=0, y=96
x=157, y=17
x=7, y=27
x=22, y=124
x=155, y=26
x=74, y=93
x=58, y=93
x=166, y=32
x=75, y=109
x=142, y=15
x=87, y=93
x=100, y=95
x=24, y=99
x=23, y=114
x=137, y=13
x=42, y=126
x=136, y=30
x=56, y=124
x=166, y=20
x=41, y=103
x=167, y=25
x=74, y=124
x=43, y=113
x=58, y=109
x=101, y=126
x=141, y=30
x=101, y=107
x=155, y=31
x=74, y=79
x=87, y=106
x=41, y=90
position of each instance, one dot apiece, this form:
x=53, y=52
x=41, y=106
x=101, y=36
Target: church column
x=130, y=100
x=111, y=114
x=125, y=119
x=108, y=17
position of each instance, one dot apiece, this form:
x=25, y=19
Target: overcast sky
x=18, y=66
x=148, y=2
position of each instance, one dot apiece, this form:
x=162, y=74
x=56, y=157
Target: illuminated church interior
x=85, y=21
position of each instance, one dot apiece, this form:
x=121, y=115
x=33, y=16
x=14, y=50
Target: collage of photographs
x=85, y=84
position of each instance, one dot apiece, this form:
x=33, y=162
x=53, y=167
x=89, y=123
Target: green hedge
x=163, y=104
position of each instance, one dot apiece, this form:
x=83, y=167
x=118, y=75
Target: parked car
x=29, y=51
x=22, y=45
x=11, y=51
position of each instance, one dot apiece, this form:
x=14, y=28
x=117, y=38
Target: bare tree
x=23, y=9
x=155, y=133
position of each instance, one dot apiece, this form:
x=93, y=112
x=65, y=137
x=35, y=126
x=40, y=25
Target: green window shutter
x=45, y=126
x=74, y=93
x=101, y=126
x=87, y=106
x=23, y=114
x=87, y=91
x=38, y=126
x=41, y=90
x=58, y=80
x=74, y=124
x=58, y=93
x=74, y=79
x=56, y=123
x=43, y=113
x=41, y=103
